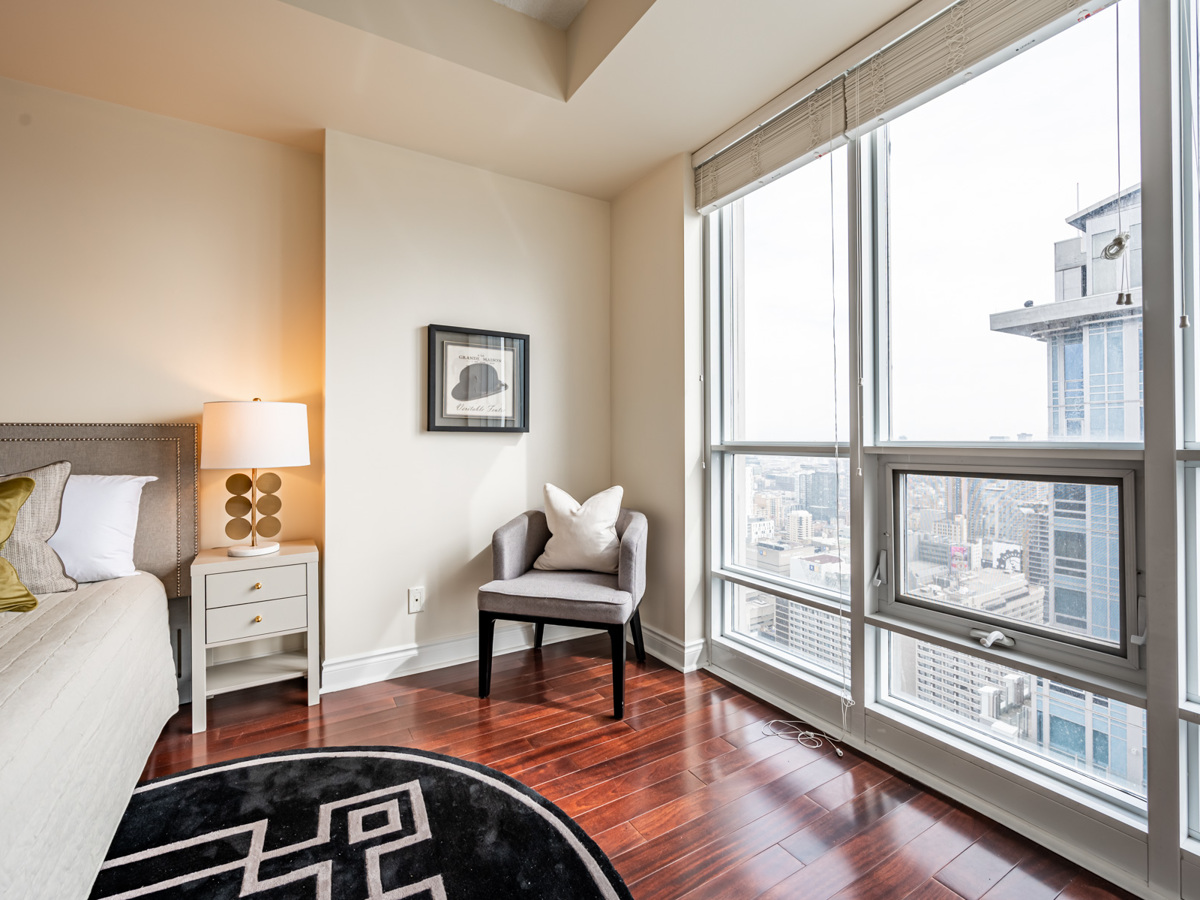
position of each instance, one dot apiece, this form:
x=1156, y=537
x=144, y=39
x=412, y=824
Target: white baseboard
x=674, y=652
x=368, y=668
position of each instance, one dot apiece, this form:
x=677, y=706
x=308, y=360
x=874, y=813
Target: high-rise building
x=823, y=496
x=800, y=526
x=1093, y=345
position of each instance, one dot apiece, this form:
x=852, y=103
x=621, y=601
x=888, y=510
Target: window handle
x=880, y=570
x=1139, y=640
x=988, y=638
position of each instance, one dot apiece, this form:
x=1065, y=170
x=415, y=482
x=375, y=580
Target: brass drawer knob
x=258, y=585
x=258, y=618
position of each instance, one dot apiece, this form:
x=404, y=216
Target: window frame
x=723, y=255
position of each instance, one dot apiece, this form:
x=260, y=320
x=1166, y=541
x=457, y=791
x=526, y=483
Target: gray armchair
x=521, y=593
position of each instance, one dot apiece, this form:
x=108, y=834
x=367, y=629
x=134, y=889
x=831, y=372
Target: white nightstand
x=235, y=600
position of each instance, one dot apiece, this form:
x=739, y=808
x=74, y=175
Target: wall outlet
x=416, y=599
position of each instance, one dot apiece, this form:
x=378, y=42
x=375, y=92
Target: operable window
x=1040, y=559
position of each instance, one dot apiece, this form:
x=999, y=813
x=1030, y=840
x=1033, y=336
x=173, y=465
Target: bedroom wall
x=149, y=265
x=657, y=434
x=412, y=240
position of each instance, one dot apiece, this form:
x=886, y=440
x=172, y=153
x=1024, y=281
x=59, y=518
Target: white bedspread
x=87, y=680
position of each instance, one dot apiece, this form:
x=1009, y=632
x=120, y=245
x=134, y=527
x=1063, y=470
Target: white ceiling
x=555, y=13
x=629, y=84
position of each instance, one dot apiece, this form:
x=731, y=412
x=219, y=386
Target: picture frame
x=478, y=380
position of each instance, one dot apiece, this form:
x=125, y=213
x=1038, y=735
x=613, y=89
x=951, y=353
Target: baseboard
x=368, y=668
x=674, y=652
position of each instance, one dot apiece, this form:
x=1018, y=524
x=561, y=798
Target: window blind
x=969, y=36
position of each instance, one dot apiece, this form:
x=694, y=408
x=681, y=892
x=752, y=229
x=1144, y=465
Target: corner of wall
x=657, y=393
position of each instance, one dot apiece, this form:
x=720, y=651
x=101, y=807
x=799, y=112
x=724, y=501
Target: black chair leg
x=616, y=634
x=539, y=631
x=487, y=626
x=635, y=625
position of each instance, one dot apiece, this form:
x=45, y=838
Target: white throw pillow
x=582, y=535
x=99, y=521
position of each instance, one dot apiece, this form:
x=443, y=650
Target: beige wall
x=657, y=435
x=413, y=240
x=148, y=265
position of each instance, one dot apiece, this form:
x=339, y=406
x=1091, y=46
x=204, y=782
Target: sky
x=982, y=180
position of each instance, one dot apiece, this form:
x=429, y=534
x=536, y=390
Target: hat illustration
x=476, y=381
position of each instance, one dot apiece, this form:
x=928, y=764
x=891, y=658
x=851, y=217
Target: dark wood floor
x=687, y=795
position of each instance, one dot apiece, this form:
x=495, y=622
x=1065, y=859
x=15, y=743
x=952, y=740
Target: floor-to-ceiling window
x=929, y=444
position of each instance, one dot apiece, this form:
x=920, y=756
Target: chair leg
x=487, y=627
x=616, y=634
x=539, y=631
x=635, y=625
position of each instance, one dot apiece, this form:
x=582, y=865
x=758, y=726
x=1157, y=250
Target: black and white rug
x=351, y=823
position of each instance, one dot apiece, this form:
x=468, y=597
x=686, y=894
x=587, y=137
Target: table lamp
x=253, y=434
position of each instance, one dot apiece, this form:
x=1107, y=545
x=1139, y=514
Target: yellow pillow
x=14, y=596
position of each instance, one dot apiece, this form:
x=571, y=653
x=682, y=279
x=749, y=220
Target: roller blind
x=969, y=36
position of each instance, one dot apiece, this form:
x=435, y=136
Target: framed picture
x=478, y=380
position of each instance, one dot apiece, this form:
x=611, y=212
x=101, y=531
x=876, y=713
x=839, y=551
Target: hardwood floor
x=687, y=795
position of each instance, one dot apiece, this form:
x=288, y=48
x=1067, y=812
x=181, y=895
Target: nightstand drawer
x=232, y=623
x=253, y=585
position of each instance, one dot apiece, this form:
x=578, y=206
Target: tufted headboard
x=166, y=535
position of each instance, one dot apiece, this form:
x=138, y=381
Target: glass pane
x=1189, y=100
x=791, y=519
x=1003, y=314
x=814, y=637
x=782, y=333
x=1041, y=553
x=1090, y=734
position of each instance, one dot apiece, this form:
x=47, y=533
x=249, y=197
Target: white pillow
x=99, y=520
x=582, y=536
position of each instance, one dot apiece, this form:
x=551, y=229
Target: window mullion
x=1161, y=266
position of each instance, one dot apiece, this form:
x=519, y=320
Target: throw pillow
x=582, y=535
x=14, y=596
x=99, y=522
x=40, y=568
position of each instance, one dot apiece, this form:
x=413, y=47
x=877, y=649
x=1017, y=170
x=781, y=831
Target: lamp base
x=249, y=550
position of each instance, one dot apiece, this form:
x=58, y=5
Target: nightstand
x=240, y=599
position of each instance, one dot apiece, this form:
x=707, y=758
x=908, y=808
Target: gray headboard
x=166, y=535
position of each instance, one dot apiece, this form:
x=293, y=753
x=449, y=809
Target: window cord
x=792, y=729
x=845, y=698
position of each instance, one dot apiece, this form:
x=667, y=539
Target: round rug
x=351, y=823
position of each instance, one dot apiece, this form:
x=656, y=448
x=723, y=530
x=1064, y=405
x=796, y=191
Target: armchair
x=520, y=593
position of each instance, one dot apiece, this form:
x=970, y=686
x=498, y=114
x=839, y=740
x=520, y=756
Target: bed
x=89, y=677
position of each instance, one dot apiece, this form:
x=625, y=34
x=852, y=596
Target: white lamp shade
x=253, y=434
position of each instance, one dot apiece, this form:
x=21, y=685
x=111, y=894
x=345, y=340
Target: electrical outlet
x=416, y=599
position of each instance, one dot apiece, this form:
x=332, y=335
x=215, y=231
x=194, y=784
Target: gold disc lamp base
x=262, y=500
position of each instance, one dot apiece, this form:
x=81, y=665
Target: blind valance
x=968, y=37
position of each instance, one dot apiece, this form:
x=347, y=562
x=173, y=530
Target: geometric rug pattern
x=368, y=823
